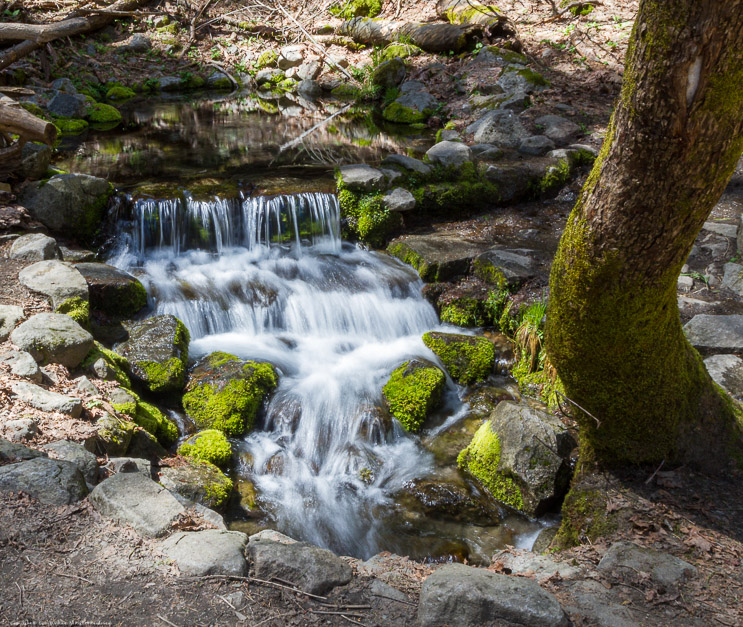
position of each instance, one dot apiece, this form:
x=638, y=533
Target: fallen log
x=35, y=35
x=496, y=25
x=15, y=120
x=429, y=37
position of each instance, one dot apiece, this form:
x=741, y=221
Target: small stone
x=399, y=199
x=389, y=74
x=716, y=333
x=726, y=230
x=34, y=247
x=407, y=163
x=499, y=127
x=11, y=452
x=130, y=464
x=727, y=372
x=536, y=145
x=628, y=559
x=85, y=386
x=449, y=154
x=22, y=364
x=45, y=400
x=65, y=85
x=685, y=284
x=54, y=338
x=170, y=83
x=52, y=481
x=138, y=43
x=57, y=280
x=21, y=429
x=542, y=567
x=272, y=536
x=309, y=88
x=209, y=552
x=310, y=69
x=486, y=152
x=76, y=454
x=290, y=56
x=10, y=315
x=361, y=178
x=559, y=129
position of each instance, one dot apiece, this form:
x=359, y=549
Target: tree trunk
x=613, y=327
x=15, y=120
x=496, y=25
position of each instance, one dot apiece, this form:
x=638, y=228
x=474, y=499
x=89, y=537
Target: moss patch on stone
x=401, y=50
x=70, y=126
x=156, y=422
x=413, y=390
x=210, y=446
x=169, y=376
x=76, y=308
x=267, y=59
x=366, y=216
x=348, y=9
x=399, y=113
x=481, y=458
x=466, y=358
x=119, y=92
x=117, y=364
x=101, y=113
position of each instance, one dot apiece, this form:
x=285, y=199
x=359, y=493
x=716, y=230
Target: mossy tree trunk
x=613, y=327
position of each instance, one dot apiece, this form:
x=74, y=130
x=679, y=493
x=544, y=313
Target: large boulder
x=308, y=567
x=10, y=315
x=413, y=391
x=131, y=498
x=467, y=358
x=34, y=247
x=73, y=204
x=76, y=454
x=500, y=127
x=52, y=481
x=198, y=481
x=209, y=552
x=389, y=74
x=54, y=338
x=224, y=392
x=515, y=181
x=716, y=333
x=505, y=267
x=157, y=350
x=449, y=154
x=436, y=257
x=470, y=597
x=45, y=400
x=60, y=282
x=413, y=105
x=522, y=456
x=67, y=105
x=113, y=291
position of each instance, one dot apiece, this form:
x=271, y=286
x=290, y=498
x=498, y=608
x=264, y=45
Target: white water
x=335, y=321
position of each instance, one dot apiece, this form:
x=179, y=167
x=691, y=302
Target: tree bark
x=496, y=25
x=613, y=329
x=15, y=120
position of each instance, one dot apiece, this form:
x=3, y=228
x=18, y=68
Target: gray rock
x=52, y=481
x=266, y=75
x=34, y=247
x=558, y=129
x=170, y=83
x=76, y=255
x=290, y=56
x=449, y=154
x=21, y=429
x=498, y=127
x=198, y=482
x=272, y=536
x=361, y=178
x=85, y=386
x=467, y=597
x=131, y=498
x=310, y=69
x=130, y=464
x=46, y=400
x=407, y=163
x=67, y=105
x=10, y=315
x=516, y=78
x=309, y=88
x=54, y=338
x=14, y=452
x=138, y=43
x=73, y=204
x=35, y=159
x=486, y=152
x=726, y=230
x=399, y=199
x=727, y=372
x=113, y=436
x=75, y=453
x=390, y=175
x=515, y=181
x=438, y=256
x=209, y=552
x=449, y=135
x=389, y=74
x=65, y=85
x=716, y=333
x=21, y=364
x=516, y=102
x=684, y=284
x=739, y=240
x=629, y=559
x=585, y=148
x=420, y=103
x=57, y=280
x=733, y=277
x=112, y=291
x=505, y=266
x=145, y=445
x=541, y=566
x=536, y=145
x=594, y=605
x=308, y=567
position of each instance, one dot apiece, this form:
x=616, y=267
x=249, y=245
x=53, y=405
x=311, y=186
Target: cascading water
x=269, y=279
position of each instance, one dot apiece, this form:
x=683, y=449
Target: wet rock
x=407, y=163
x=131, y=498
x=413, y=391
x=14, y=452
x=448, y=135
x=73, y=204
x=208, y=552
x=536, y=145
x=34, y=247
x=461, y=595
x=502, y=128
x=515, y=181
x=112, y=291
x=22, y=364
x=727, y=372
x=138, y=43
x=505, y=267
x=198, y=481
x=626, y=559
x=10, y=316
x=716, y=333
x=53, y=338
x=52, y=481
x=169, y=83
x=45, y=400
x=35, y=159
x=58, y=281
x=542, y=567
x=449, y=154
x=157, y=350
x=446, y=445
x=399, y=199
x=467, y=358
x=361, y=178
x=522, y=456
x=389, y=74
x=412, y=106
x=290, y=56
x=67, y=105
x=113, y=436
x=21, y=429
x=558, y=129
x=76, y=255
x=436, y=257
x=309, y=88
x=145, y=445
x=268, y=75
x=75, y=453
x=308, y=567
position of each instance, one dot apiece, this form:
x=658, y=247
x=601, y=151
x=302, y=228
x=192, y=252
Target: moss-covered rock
x=76, y=308
x=112, y=291
x=198, y=481
x=225, y=392
x=346, y=91
x=367, y=217
x=100, y=113
x=356, y=8
x=467, y=358
x=413, y=391
x=399, y=50
x=113, y=435
x=156, y=422
x=210, y=446
x=70, y=126
x=267, y=59
x=106, y=364
x=118, y=92
x=124, y=401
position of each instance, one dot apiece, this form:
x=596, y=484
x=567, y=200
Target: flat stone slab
x=308, y=567
x=131, y=498
x=499, y=127
x=407, y=163
x=598, y=606
x=727, y=372
x=34, y=247
x=22, y=364
x=726, y=230
x=361, y=177
x=57, y=280
x=542, y=566
x=467, y=597
x=515, y=266
x=436, y=257
x=10, y=316
x=629, y=558
x=46, y=400
x=210, y=552
x=52, y=481
x=716, y=333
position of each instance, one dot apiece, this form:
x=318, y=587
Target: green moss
x=401, y=50
x=555, y=177
x=348, y=9
x=404, y=253
x=166, y=377
x=412, y=391
x=465, y=312
x=155, y=422
x=481, y=458
x=396, y=112
x=222, y=83
x=77, y=309
x=466, y=358
x=231, y=407
x=36, y=110
x=584, y=517
x=346, y=91
x=117, y=364
x=267, y=106
x=197, y=82
x=210, y=446
x=70, y=126
x=533, y=77
x=119, y=93
x=486, y=271
x=218, y=358
x=367, y=216
x=218, y=490
x=267, y=59
x=128, y=406
x=100, y=113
